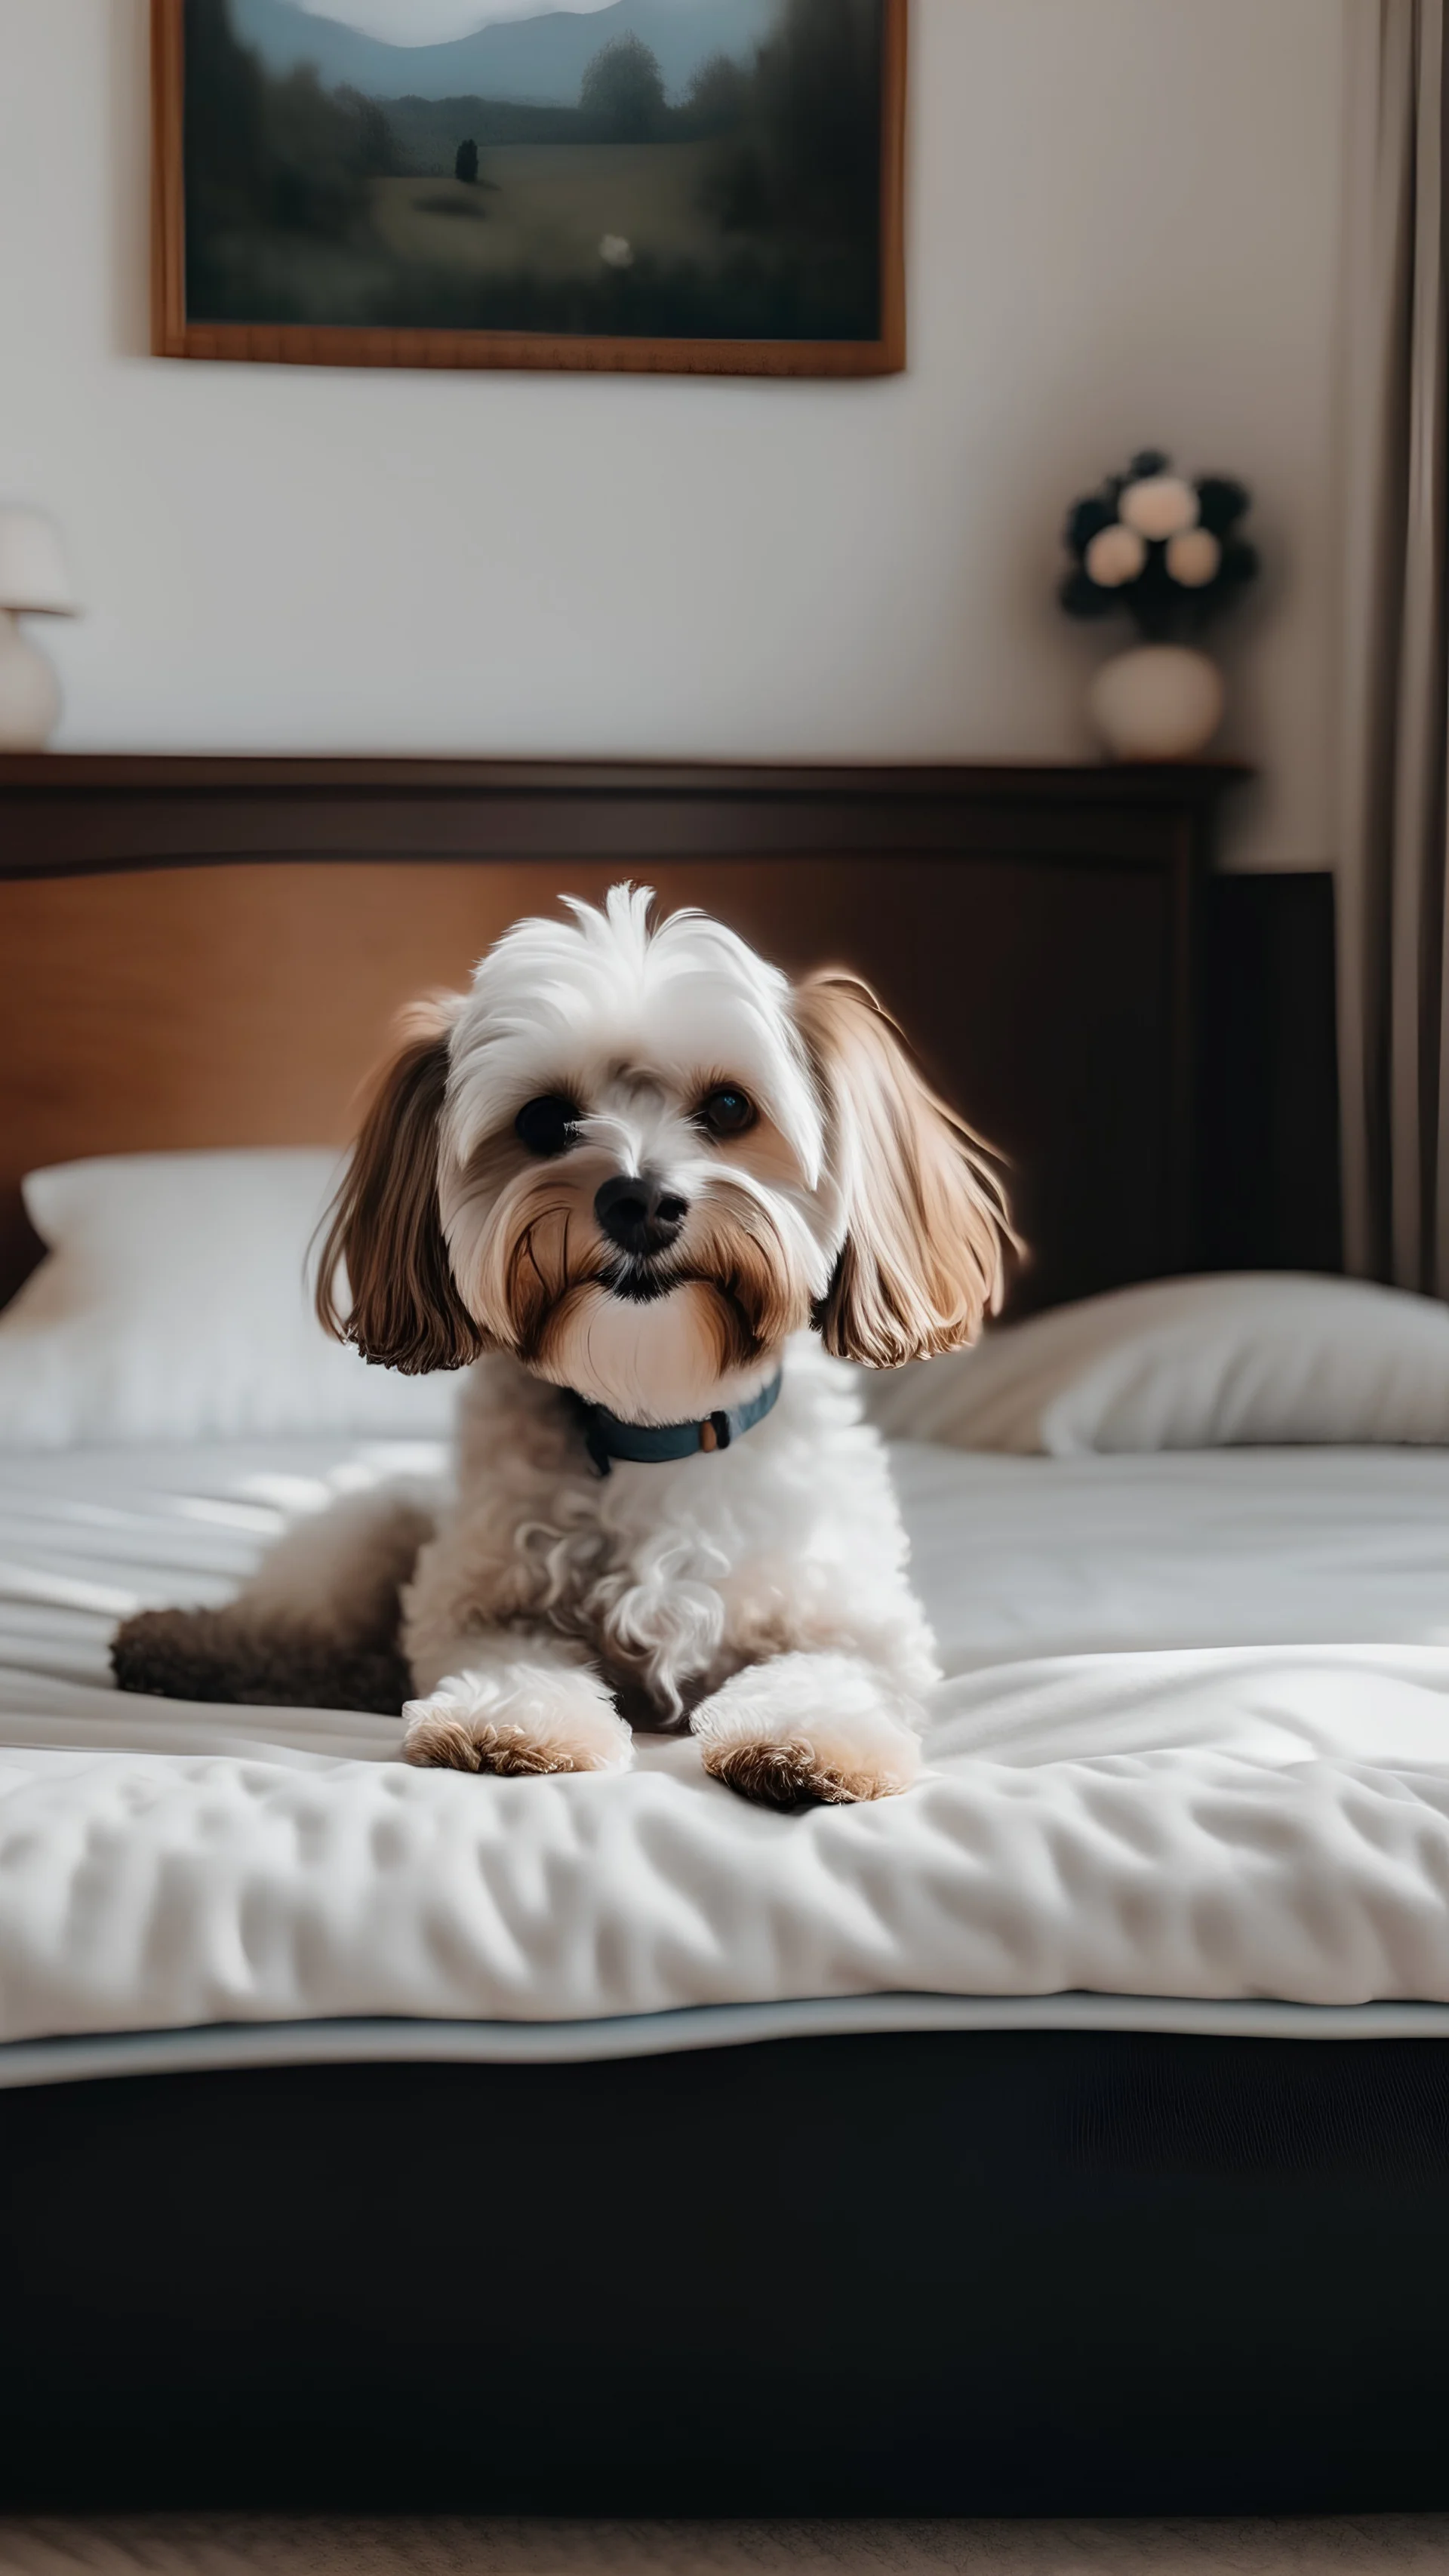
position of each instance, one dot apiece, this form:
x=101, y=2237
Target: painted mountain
x=540, y=61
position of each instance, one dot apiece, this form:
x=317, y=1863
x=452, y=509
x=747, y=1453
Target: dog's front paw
x=809, y=1730
x=521, y=1718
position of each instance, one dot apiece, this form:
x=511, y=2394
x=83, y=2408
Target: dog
x=650, y=1198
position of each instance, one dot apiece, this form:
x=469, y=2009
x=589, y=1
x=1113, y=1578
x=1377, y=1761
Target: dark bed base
x=956, y=2273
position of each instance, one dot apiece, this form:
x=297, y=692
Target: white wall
x=1123, y=230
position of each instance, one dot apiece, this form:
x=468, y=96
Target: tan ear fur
x=385, y=1232
x=927, y=1227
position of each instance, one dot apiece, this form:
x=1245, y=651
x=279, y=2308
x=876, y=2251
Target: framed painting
x=668, y=185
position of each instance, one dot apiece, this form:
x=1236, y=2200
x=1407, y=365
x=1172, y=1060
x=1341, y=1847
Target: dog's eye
x=547, y=1126
x=726, y=1111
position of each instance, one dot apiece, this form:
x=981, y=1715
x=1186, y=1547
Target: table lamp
x=34, y=582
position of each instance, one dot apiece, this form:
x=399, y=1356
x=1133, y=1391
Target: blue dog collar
x=645, y=1444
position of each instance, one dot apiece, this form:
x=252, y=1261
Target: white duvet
x=1194, y=1744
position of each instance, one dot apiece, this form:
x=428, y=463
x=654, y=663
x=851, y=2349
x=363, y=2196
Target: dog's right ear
x=385, y=1282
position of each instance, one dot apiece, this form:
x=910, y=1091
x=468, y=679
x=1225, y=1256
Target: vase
x=29, y=690
x=1157, y=702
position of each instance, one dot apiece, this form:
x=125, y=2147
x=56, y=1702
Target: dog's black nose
x=640, y=1212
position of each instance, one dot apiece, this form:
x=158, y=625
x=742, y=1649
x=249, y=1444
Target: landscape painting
x=684, y=184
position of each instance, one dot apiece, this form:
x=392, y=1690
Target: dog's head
x=635, y=1158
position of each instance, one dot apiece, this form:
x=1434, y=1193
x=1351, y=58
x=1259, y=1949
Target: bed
x=1067, y=2137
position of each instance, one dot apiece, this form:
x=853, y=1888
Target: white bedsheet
x=1194, y=1744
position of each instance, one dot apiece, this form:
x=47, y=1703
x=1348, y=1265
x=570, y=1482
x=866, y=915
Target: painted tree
x=624, y=88
x=718, y=96
x=465, y=165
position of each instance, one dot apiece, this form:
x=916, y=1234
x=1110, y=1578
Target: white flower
x=1159, y=506
x=1115, y=555
x=617, y=250
x=1193, y=557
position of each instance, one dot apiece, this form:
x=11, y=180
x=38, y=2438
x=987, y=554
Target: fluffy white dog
x=626, y=1182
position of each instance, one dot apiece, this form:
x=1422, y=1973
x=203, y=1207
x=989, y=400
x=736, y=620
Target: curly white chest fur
x=671, y=1577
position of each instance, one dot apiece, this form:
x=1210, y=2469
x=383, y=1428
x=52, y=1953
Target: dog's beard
x=659, y=1334
x=734, y=1255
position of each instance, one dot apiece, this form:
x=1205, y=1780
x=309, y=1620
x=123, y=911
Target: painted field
x=558, y=210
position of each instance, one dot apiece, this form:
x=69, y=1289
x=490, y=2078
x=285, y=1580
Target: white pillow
x=174, y=1303
x=1270, y=1359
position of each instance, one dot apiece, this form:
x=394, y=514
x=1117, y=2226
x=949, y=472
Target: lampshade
x=33, y=574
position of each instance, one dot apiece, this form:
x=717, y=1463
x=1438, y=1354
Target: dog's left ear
x=927, y=1227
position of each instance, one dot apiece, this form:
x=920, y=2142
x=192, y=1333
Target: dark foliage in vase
x=1166, y=549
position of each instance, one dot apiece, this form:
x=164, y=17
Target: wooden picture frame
x=179, y=333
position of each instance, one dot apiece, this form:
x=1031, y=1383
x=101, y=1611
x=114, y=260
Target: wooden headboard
x=210, y=951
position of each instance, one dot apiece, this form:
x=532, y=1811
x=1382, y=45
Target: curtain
x=1394, y=975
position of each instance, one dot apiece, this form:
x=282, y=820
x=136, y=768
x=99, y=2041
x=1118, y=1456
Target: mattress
x=1189, y=1769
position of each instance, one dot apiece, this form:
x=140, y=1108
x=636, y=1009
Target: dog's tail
x=316, y=1627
